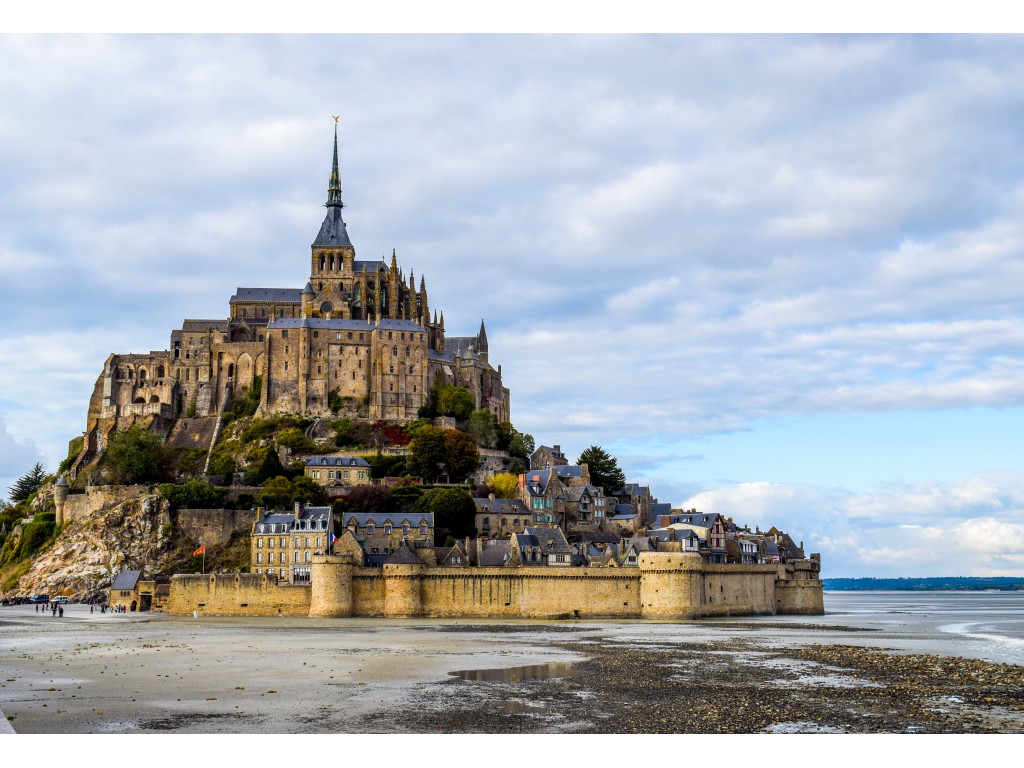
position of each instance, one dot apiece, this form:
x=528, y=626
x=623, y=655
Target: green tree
x=334, y=400
x=456, y=402
x=453, y=510
x=270, y=467
x=28, y=483
x=195, y=494
x=308, y=490
x=460, y=454
x=483, y=428
x=296, y=439
x=426, y=452
x=369, y=498
x=404, y=497
x=276, y=493
x=604, y=469
x=135, y=455
x=505, y=485
x=521, y=445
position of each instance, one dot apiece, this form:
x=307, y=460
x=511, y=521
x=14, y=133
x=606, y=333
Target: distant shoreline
x=927, y=584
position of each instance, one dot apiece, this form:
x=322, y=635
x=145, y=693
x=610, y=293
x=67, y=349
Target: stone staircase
x=216, y=430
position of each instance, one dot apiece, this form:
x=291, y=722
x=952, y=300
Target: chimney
x=298, y=509
x=557, y=448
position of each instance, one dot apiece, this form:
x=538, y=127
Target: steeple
x=334, y=185
x=333, y=232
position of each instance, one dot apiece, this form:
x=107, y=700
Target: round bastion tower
x=60, y=497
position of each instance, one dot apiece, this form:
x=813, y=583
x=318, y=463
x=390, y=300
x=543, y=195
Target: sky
x=779, y=277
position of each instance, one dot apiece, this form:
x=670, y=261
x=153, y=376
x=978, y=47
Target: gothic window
x=341, y=287
x=406, y=351
x=319, y=286
x=321, y=262
x=263, y=312
x=160, y=372
x=394, y=350
x=331, y=262
x=318, y=369
x=186, y=374
x=391, y=369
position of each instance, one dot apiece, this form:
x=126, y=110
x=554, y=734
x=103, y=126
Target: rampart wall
x=236, y=594
x=664, y=586
x=79, y=506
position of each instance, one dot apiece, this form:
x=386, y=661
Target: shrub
x=135, y=455
x=195, y=494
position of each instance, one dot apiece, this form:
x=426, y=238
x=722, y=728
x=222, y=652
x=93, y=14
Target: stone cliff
x=90, y=552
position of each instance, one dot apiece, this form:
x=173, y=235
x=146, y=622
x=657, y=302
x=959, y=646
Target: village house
x=540, y=546
x=380, y=534
x=543, y=493
x=341, y=471
x=282, y=544
x=504, y=517
x=545, y=457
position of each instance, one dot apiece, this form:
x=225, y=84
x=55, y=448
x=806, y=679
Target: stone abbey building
x=363, y=328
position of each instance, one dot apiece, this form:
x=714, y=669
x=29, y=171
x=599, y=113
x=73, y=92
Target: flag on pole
x=200, y=551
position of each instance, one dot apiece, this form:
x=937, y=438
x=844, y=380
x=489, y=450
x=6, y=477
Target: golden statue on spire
x=335, y=118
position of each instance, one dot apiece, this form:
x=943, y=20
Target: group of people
x=55, y=607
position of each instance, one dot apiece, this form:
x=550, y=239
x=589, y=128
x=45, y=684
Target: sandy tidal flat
x=92, y=673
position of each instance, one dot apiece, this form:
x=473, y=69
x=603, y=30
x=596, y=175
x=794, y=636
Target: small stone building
x=131, y=592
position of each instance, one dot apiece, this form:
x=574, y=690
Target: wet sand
x=92, y=673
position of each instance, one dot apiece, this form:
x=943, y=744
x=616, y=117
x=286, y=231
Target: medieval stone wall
x=664, y=586
x=237, y=594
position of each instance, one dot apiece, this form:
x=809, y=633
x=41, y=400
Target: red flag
x=200, y=551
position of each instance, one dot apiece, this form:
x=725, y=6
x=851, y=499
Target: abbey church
x=362, y=328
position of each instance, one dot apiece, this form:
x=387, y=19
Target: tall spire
x=334, y=186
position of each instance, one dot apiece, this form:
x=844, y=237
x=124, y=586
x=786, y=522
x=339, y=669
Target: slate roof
x=287, y=519
x=569, y=470
x=459, y=345
x=403, y=556
x=191, y=324
x=550, y=540
x=702, y=520
x=635, y=489
x=267, y=294
x=623, y=512
x=336, y=461
x=126, y=580
x=502, y=506
x=378, y=518
x=537, y=481
x=339, y=324
x=333, y=231
x=659, y=509
x=495, y=552
x=371, y=266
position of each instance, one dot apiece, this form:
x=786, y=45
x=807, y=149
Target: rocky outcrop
x=126, y=535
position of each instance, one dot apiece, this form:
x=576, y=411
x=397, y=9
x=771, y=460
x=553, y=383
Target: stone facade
x=362, y=328
x=664, y=586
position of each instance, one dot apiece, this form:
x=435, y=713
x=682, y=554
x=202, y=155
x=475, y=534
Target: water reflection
x=517, y=674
